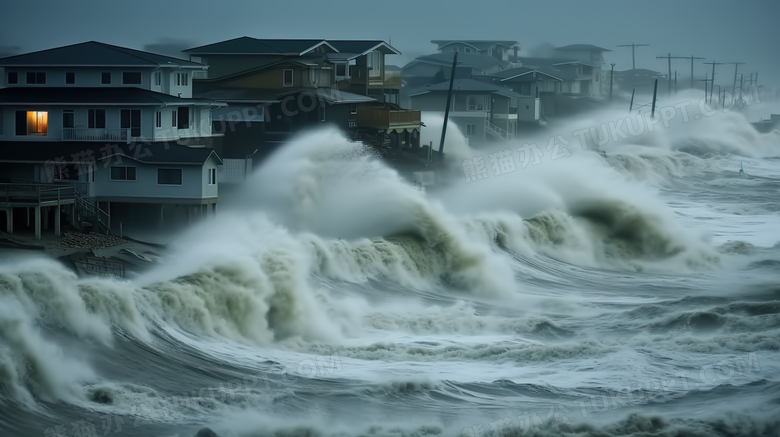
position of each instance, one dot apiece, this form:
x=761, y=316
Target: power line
x=712, y=85
x=633, y=49
x=691, y=58
x=736, y=66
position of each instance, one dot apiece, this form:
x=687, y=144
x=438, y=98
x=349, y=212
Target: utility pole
x=655, y=92
x=741, y=77
x=691, y=58
x=633, y=49
x=447, y=109
x=705, y=80
x=675, y=82
x=611, y=76
x=736, y=66
x=712, y=85
x=669, y=76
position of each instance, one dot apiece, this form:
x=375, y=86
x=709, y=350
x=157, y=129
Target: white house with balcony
x=98, y=92
x=112, y=130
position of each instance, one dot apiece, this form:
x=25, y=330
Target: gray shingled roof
x=80, y=152
x=92, y=96
x=246, y=45
x=95, y=54
x=479, y=62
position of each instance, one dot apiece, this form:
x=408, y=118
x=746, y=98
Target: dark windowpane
x=133, y=78
x=118, y=173
x=288, y=77
x=40, y=77
x=70, y=78
x=30, y=77
x=105, y=78
x=21, y=123
x=341, y=69
x=100, y=118
x=184, y=117
x=169, y=176
x=130, y=173
x=13, y=77
x=125, y=119
x=68, y=119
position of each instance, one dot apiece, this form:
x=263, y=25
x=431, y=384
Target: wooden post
x=631, y=105
x=655, y=92
x=37, y=222
x=449, y=99
x=611, y=76
x=9, y=226
x=57, y=232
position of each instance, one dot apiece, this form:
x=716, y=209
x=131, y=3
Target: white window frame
x=212, y=176
x=157, y=78
x=158, y=119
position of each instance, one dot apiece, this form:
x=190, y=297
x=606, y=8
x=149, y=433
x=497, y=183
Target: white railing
x=87, y=134
x=497, y=130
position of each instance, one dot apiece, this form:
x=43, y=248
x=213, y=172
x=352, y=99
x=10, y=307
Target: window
x=131, y=78
x=105, y=78
x=341, y=70
x=158, y=119
x=32, y=123
x=36, y=78
x=70, y=78
x=173, y=119
x=68, y=118
x=156, y=78
x=454, y=49
x=212, y=176
x=467, y=50
x=353, y=108
x=96, y=119
x=471, y=130
x=122, y=173
x=475, y=103
x=287, y=79
x=13, y=78
x=131, y=119
x=184, y=117
x=182, y=79
x=374, y=60
x=169, y=176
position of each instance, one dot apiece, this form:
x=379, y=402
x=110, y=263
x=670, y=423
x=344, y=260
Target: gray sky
x=747, y=30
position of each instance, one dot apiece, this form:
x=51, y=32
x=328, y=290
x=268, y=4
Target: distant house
x=482, y=111
x=537, y=86
x=70, y=114
x=436, y=68
x=589, y=65
x=303, y=83
x=501, y=50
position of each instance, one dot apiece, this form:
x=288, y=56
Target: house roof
x=78, y=152
x=466, y=85
x=95, y=54
x=479, y=62
x=522, y=72
x=94, y=96
x=253, y=46
x=580, y=47
x=363, y=46
x=476, y=43
x=329, y=95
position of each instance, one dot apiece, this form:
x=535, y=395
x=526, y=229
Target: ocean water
x=559, y=294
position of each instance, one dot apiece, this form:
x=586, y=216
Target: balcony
x=86, y=134
x=393, y=77
x=388, y=119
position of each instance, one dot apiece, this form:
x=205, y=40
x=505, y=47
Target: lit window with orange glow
x=37, y=122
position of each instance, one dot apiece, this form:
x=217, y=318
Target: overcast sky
x=724, y=31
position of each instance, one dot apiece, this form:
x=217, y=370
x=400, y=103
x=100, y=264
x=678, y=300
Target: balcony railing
x=87, y=134
x=392, y=77
x=387, y=118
